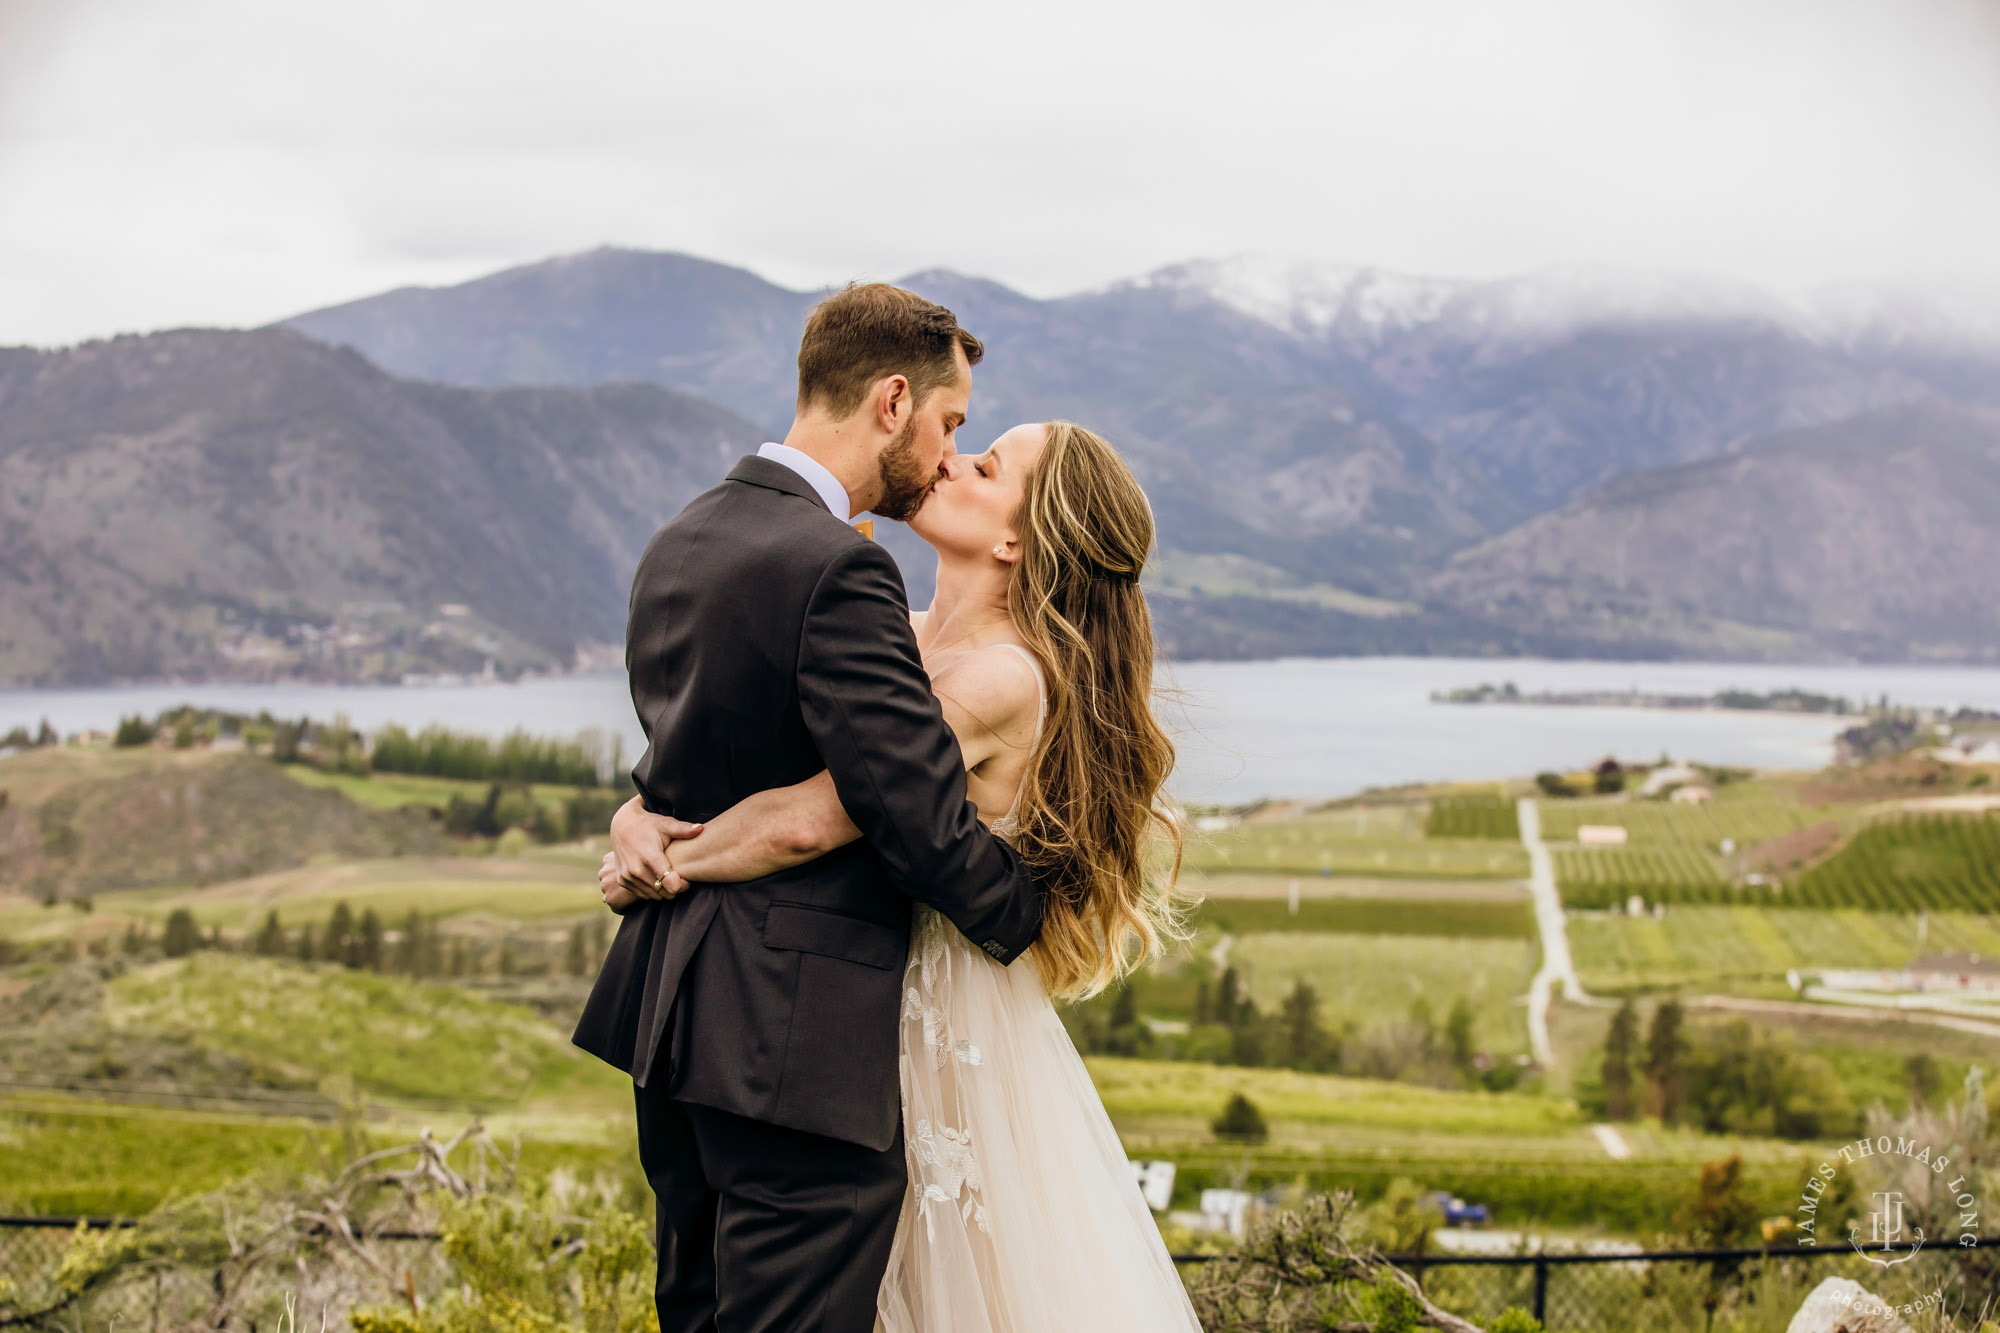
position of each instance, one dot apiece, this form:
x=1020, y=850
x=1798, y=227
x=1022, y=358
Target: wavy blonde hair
x=1092, y=817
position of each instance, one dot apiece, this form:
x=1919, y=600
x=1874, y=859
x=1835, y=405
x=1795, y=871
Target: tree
x=47, y=735
x=1201, y=1009
x=1721, y=1214
x=183, y=936
x=1228, y=997
x=132, y=731
x=1618, y=1044
x=1608, y=777
x=1458, y=1035
x=1126, y=1036
x=410, y=945
x=368, y=944
x=1305, y=1044
x=576, y=962
x=1241, y=1121
x=270, y=940
x=340, y=936
x=1665, y=1047
x=308, y=946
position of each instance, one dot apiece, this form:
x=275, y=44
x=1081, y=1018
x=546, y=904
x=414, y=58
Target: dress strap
x=1041, y=686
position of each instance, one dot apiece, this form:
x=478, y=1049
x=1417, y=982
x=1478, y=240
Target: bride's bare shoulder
x=995, y=684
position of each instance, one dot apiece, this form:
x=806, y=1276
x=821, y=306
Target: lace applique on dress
x=954, y=1178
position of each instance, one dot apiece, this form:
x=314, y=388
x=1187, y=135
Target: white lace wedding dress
x=1022, y=1215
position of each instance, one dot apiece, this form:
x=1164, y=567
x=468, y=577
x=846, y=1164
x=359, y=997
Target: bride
x=1022, y=1213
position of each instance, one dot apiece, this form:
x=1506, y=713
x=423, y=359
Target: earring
x=1000, y=552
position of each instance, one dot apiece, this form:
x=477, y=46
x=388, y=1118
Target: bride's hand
x=639, y=842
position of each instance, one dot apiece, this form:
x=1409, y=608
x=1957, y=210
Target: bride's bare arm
x=787, y=826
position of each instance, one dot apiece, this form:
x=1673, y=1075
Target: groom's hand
x=639, y=841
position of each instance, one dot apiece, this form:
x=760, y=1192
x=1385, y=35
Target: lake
x=1295, y=727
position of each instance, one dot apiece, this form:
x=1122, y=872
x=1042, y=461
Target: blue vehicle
x=1457, y=1212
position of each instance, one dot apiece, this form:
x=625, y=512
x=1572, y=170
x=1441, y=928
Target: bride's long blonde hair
x=1091, y=813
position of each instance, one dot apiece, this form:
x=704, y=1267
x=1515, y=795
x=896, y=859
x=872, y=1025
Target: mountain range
x=1341, y=460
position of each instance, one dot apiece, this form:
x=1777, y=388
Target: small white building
x=1156, y=1183
x=1601, y=835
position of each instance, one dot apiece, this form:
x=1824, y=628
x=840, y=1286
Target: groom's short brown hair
x=868, y=330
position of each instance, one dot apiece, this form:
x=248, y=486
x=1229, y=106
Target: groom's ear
x=893, y=403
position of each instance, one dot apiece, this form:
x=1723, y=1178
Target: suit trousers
x=764, y=1229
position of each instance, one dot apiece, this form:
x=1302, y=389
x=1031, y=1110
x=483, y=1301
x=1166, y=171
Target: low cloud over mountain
x=1342, y=460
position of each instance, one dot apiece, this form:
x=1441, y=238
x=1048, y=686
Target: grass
x=394, y=1038
x=388, y=791
x=1372, y=916
x=1156, y=1089
x=81, y=1158
x=547, y=884
x=1529, y=1157
x=1745, y=812
x=1716, y=945
x=1376, y=977
x=1381, y=841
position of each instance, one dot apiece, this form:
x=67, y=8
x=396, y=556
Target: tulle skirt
x=1022, y=1215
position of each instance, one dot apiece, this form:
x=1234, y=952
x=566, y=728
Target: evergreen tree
x=47, y=735
x=270, y=940
x=1618, y=1044
x=577, y=961
x=1228, y=998
x=430, y=958
x=1304, y=1038
x=461, y=959
x=135, y=938
x=368, y=944
x=1665, y=1049
x=1241, y=1121
x=1458, y=1035
x=308, y=946
x=183, y=936
x=340, y=936
x=1201, y=1010
x=410, y=945
x=1124, y=1037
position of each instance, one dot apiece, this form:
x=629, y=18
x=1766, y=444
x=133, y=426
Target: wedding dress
x=1023, y=1215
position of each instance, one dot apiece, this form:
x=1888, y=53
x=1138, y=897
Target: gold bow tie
x=866, y=527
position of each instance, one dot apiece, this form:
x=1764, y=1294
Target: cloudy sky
x=169, y=162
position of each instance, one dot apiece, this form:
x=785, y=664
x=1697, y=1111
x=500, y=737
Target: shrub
x=134, y=730
x=1241, y=1121
x=183, y=936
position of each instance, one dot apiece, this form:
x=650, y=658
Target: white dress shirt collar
x=814, y=474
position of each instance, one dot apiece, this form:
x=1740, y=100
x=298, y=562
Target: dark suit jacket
x=767, y=641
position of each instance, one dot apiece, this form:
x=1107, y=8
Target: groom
x=768, y=640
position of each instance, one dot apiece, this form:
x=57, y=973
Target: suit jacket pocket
x=807, y=929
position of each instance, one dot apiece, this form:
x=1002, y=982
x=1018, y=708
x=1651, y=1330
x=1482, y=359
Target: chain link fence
x=1651, y=1292
x=1682, y=1289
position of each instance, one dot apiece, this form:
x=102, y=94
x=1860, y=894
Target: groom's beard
x=906, y=483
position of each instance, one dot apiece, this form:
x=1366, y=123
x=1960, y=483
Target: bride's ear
x=1008, y=551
